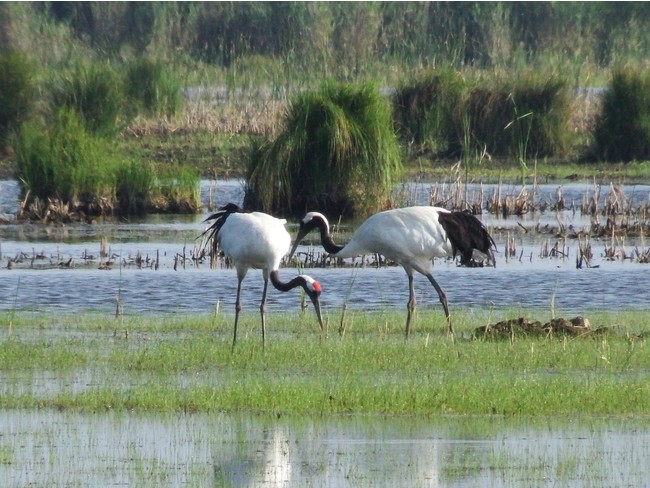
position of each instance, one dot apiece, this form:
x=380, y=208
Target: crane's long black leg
x=237, y=310
x=263, y=311
x=410, y=305
x=443, y=300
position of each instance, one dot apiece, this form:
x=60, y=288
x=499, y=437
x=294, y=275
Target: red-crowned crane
x=256, y=240
x=410, y=236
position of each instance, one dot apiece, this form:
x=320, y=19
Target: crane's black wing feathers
x=466, y=233
x=210, y=234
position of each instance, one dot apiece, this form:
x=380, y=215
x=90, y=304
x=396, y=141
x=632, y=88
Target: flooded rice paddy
x=146, y=265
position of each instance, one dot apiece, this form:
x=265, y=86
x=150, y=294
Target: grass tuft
x=334, y=142
x=622, y=130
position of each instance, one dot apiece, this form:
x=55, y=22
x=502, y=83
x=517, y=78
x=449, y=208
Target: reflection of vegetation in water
x=226, y=448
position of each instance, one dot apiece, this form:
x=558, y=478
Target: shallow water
x=40, y=281
x=50, y=448
x=57, y=449
x=200, y=290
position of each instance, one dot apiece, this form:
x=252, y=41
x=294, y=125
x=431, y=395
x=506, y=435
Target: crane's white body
x=257, y=240
x=411, y=236
x=254, y=240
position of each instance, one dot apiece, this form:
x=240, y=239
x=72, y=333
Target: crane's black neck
x=289, y=285
x=325, y=237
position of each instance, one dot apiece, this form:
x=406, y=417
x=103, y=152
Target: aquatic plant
x=94, y=91
x=151, y=88
x=524, y=117
x=175, y=190
x=185, y=365
x=134, y=182
x=622, y=131
x=337, y=152
x=64, y=164
x=425, y=110
x=17, y=90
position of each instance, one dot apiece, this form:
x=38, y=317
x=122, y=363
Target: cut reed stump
x=508, y=329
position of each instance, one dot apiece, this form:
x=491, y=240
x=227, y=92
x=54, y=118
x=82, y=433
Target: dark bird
x=410, y=236
x=256, y=240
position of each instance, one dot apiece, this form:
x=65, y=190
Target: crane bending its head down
x=256, y=240
x=410, y=236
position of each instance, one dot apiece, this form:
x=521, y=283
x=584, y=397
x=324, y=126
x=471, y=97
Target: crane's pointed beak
x=302, y=232
x=316, y=301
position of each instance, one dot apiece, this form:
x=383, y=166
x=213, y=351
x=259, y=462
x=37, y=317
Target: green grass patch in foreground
x=171, y=364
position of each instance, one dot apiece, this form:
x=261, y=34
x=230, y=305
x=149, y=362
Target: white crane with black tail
x=256, y=240
x=410, y=236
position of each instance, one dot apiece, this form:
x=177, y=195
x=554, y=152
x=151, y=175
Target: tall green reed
x=151, y=88
x=17, y=91
x=94, y=91
x=335, y=142
x=63, y=161
x=622, y=131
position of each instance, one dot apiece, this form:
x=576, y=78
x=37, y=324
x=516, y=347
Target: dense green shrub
x=94, y=91
x=62, y=161
x=337, y=154
x=151, y=88
x=622, y=131
x=133, y=185
x=17, y=91
x=521, y=118
x=426, y=108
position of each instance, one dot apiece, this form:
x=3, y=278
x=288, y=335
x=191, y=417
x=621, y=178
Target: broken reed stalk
x=342, y=323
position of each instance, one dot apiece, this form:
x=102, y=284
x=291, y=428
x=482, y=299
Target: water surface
x=58, y=449
x=57, y=267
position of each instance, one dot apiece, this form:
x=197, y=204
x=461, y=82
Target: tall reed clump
x=62, y=165
x=64, y=162
x=134, y=182
x=151, y=88
x=622, y=131
x=94, y=91
x=425, y=110
x=176, y=190
x=17, y=91
x=337, y=153
x=505, y=118
x=523, y=118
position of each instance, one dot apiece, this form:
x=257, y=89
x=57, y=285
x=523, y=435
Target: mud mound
x=506, y=329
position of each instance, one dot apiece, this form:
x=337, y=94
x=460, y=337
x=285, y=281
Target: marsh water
x=150, y=266
x=59, y=269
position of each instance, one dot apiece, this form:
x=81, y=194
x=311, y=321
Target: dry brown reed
x=615, y=213
x=255, y=117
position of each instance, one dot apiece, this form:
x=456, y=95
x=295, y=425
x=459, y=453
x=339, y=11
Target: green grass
x=185, y=364
x=211, y=153
x=540, y=171
x=222, y=155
